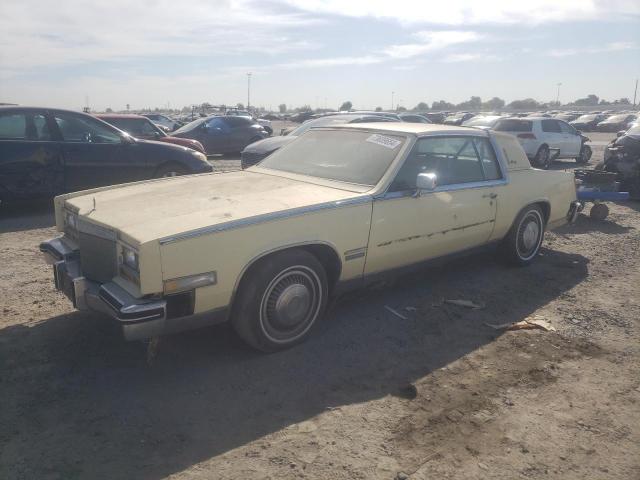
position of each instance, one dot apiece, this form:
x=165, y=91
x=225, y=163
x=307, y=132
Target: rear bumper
x=139, y=318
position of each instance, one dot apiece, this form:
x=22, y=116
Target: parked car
x=566, y=117
x=616, y=123
x=622, y=156
x=266, y=124
x=163, y=120
x=266, y=248
x=46, y=152
x=587, y=123
x=413, y=118
x=436, y=117
x=485, y=122
x=228, y=134
x=545, y=139
x=257, y=151
x=141, y=127
x=458, y=118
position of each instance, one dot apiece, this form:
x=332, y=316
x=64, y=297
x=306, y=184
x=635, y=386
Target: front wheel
x=522, y=243
x=280, y=300
x=585, y=155
x=543, y=158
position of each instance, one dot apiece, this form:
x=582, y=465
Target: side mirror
x=620, y=133
x=156, y=134
x=426, y=182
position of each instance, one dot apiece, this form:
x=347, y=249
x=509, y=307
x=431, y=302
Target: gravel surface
x=370, y=396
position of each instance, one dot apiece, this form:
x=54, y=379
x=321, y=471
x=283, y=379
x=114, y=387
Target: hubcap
x=530, y=235
x=290, y=304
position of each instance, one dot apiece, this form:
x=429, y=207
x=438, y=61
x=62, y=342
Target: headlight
x=129, y=257
x=200, y=155
x=71, y=220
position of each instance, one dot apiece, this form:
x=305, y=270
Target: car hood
x=269, y=145
x=152, y=210
x=185, y=142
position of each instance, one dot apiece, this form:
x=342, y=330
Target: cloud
x=609, y=47
x=430, y=41
x=472, y=12
x=120, y=30
x=470, y=57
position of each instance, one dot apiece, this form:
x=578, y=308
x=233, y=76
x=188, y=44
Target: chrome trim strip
x=267, y=217
x=355, y=253
x=443, y=188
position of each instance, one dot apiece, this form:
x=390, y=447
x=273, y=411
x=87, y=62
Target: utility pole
x=248, y=90
x=392, y=94
x=558, y=93
x=635, y=93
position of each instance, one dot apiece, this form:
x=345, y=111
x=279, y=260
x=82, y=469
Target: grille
x=98, y=257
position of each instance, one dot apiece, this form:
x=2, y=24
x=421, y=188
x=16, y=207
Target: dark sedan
x=587, y=123
x=616, y=123
x=141, y=127
x=259, y=150
x=458, y=118
x=228, y=134
x=46, y=152
x=414, y=118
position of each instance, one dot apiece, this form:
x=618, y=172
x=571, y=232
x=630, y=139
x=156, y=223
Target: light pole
x=392, y=94
x=248, y=90
x=558, y=93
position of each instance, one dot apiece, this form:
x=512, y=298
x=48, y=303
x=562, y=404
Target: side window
x=566, y=128
x=453, y=159
x=79, y=129
x=235, y=122
x=147, y=128
x=550, y=126
x=216, y=122
x=13, y=126
x=41, y=128
x=488, y=159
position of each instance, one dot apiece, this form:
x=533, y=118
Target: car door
x=239, y=133
x=31, y=162
x=409, y=226
x=213, y=134
x=571, y=139
x=95, y=154
x=553, y=135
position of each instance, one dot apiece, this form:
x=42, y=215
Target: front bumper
x=139, y=318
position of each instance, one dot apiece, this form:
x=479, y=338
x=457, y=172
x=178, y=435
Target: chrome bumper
x=574, y=209
x=139, y=318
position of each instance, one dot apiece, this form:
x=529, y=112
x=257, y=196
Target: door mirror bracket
x=426, y=182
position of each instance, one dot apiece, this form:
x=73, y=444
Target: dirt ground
x=437, y=394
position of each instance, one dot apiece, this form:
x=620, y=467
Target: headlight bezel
x=129, y=262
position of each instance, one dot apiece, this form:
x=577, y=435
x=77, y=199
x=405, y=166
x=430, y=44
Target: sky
x=158, y=53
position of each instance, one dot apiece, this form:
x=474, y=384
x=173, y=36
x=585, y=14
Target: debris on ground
x=466, y=304
x=410, y=309
x=395, y=312
x=527, y=324
x=152, y=350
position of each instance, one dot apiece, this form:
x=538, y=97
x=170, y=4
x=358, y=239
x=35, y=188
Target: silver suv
x=545, y=139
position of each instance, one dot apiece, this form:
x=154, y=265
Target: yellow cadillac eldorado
x=265, y=248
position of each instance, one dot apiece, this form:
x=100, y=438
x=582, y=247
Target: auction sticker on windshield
x=387, y=142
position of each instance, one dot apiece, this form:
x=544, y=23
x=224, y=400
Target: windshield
x=513, y=125
x=345, y=155
x=635, y=131
x=481, y=122
x=190, y=126
x=586, y=118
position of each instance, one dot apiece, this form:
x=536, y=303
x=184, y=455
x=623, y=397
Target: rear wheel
x=522, y=243
x=599, y=211
x=543, y=158
x=280, y=300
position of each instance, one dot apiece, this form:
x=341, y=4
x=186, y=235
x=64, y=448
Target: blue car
x=45, y=152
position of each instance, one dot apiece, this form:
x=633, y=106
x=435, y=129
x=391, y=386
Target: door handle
x=490, y=195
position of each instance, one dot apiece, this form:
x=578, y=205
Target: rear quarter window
x=514, y=125
x=514, y=155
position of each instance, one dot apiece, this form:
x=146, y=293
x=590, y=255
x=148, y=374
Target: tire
x=543, y=158
x=599, y=211
x=170, y=170
x=522, y=243
x=585, y=155
x=280, y=299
